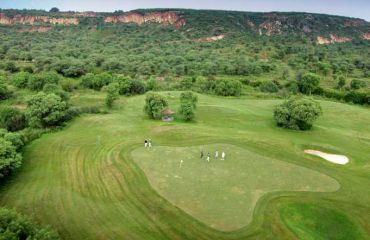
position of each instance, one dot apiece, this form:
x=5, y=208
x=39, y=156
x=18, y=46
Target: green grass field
x=93, y=180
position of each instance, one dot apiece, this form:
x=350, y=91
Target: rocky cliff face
x=332, y=39
x=31, y=20
x=166, y=18
x=366, y=36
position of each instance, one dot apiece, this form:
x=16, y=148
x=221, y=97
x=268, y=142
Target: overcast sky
x=353, y=8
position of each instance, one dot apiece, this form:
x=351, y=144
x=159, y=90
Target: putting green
x=223, y=194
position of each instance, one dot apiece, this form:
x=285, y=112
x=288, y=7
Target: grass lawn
x=90, y=182
x=223, y=194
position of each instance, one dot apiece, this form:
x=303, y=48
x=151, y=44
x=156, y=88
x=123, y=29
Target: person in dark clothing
x=201, y=154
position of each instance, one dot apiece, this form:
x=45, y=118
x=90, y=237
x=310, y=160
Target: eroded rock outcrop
x=366, y=36
x=31, y=20
x=166, y=18
x=332, y=39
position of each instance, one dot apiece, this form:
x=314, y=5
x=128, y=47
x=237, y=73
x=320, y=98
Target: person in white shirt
x=223, y=155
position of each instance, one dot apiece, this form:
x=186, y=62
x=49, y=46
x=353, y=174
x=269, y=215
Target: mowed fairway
x=223, y=194
x=84, y=181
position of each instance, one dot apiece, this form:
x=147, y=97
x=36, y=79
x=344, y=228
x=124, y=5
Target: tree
x=187, y=111
x=225, y=87
x=12, y=119
x=37, y=82
x=357, y=84
x=45, y=110
x=9, y=158
x=16, y=226
x=308, y=83
x=188, y=103
x=112, y=94
x=54, y=10
x=189, y=97
x=269, y=87
x=341, y=82
x=5, y=93
x=20, y=79
x=297, y=113
x=154, y=105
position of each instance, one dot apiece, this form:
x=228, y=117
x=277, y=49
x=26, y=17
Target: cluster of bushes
x=156, y=103
x=5, y=93
x=10, y=156
x=17, y=226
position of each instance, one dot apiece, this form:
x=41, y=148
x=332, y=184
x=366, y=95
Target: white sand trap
x=334, y=158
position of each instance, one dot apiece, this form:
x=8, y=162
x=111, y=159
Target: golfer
x=223, y=155
x=146, y=143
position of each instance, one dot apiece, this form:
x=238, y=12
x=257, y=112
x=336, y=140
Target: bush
x=16, y=226
x=97, y=81
x=154, y=105
x=5, y=93
x=45, y=110
x=129, y=86
x=20, y=79
x=112, y=94
x=37, y=81
x=357, y=84
x=188, y=103
x=269, y=87
x=308, y=83
x=10, y=159
x=12, y=119
x=228, y=87
x=56, y=89
x=68, y=84
x=297, y=113
x=358, y=97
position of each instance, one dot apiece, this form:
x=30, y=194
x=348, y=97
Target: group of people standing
x=223, y=155
x=148, y=143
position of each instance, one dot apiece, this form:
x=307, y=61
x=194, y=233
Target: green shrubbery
x=188, y=104
x=154, y=105
x=14, y=226
x=297, y=113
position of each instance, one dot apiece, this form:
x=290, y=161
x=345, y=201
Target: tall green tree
x=112, y=94
x=154, y=105
x=308, y=83
x=297, y=113
x=46, y=110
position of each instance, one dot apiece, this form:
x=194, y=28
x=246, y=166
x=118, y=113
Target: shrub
x=154, y=105
x=358, y=97
x=269, y=87
x=10, y=159
x=112, y=94
x=297, y=113
x=188, y=103
x=308, y=83
x=357, y=84
x=5, y=93
x=37, y=81
x=20, y=79
x=68, y=84
x=12, y=119
x=16, y=226
x=227, y=87
x=45, y=110
x=129, y=86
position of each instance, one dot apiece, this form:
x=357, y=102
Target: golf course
x=94, y=179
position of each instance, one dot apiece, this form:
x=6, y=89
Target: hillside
x=326, y=28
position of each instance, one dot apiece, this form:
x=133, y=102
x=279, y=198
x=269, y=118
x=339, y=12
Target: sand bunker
x=334, y=158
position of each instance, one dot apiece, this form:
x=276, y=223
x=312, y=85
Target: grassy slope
x=83, y=181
